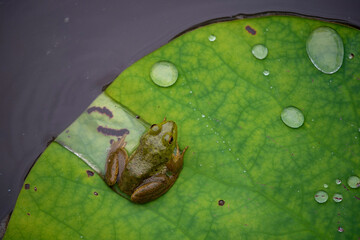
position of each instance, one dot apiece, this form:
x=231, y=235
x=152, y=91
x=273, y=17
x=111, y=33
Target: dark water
x=55, y=57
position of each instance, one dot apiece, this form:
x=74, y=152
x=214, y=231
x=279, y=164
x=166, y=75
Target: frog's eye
x=168, y=138
x=155, y=128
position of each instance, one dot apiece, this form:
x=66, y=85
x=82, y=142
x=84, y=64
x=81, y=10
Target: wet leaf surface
x=246, y=174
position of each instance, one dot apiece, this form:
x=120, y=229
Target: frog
x=152, y=169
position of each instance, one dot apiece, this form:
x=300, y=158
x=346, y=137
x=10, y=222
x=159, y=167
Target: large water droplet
x=337, y=197
x=354, y=182
x=321, y=197
x=259, y=51
x=292, y=117
x=212, y=38
x=325, y=49
x=164, y=74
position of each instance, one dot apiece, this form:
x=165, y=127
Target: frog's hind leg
x=116, y=161
x=152, y=188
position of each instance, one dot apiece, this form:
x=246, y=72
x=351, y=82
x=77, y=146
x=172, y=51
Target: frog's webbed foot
x=120, y=143
x=177, y=161
x=115, y=161
x=152, y=188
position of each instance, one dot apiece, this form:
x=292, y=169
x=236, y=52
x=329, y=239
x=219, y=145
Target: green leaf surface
x=228, y=113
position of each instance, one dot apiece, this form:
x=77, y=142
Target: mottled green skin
x=150, y=157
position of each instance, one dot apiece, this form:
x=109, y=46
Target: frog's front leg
x=115, y=161
x=157, y=185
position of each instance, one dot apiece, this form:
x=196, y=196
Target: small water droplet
x=326, y=186
x=351, y=56
x=337, y=197
x=266, y=73
x=229, y=149
x=203, y=115
x=66, y=20
x=259, y=51
x=190, y=92
x=321, y=196
x=200, y=165
x=325, y=49
x=212, y=37
x=338, y=181
x=354, y=182
x=292, y=117
x=237, y=159
x=164, y=74
x=340, y=229
x=244, y=171
x=9, y=190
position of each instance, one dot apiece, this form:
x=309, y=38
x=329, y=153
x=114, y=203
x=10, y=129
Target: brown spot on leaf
x=221, y=202
x=28, y=214
x=250, y=30
x=35, y=189
x=27, y=186
x=100, y=110
x=137, y=116
x=112, y=132
x=89, y=173
x=95, y=193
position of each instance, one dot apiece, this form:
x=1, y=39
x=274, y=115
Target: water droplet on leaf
x=354, y=182
x=164, y=74
x=326, y=186
x=259, y=51
x=338, y=181
x=337, y=197
x=212, y=38
x=351, y=56
x=266, y=73
x=321, y=197
x=325, y=49
x=292, y=117
x=340, y=229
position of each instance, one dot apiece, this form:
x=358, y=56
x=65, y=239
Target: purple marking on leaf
x=221, y=202
x=89, y=173
x=250, y=30
x=27, y=186
x=345, y=187
x=102, y=110
x=357, y=197
x=112, y=132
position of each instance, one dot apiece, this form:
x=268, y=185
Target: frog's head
x=162, y=136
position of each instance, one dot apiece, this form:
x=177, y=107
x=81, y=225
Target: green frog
x=151, y=169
